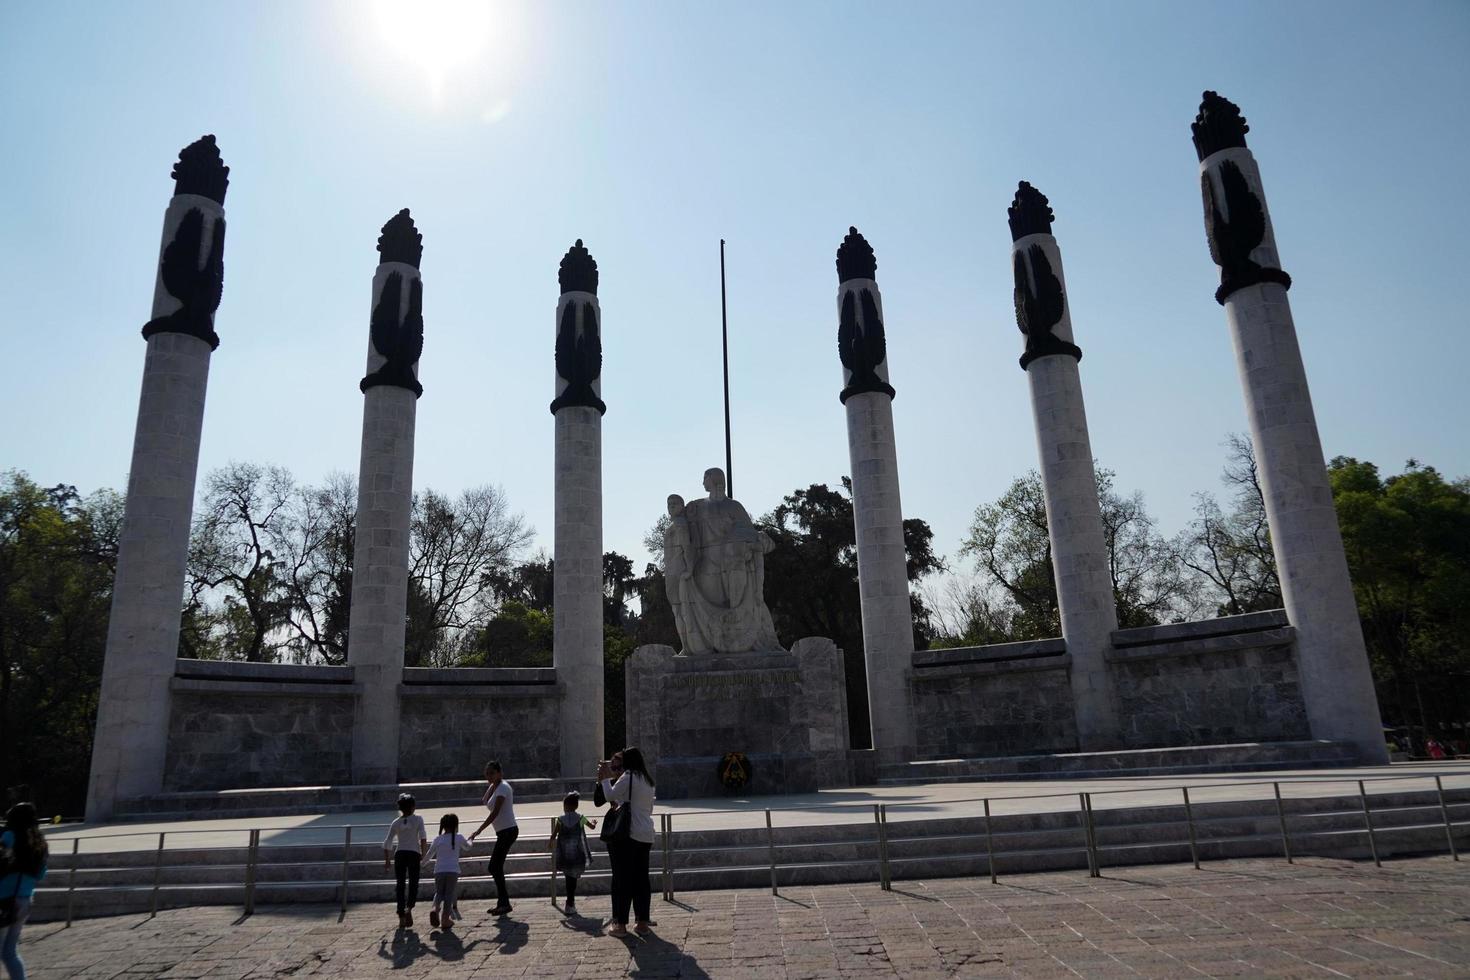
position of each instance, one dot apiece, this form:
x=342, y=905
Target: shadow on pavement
x=655, y=957
x=511, y=935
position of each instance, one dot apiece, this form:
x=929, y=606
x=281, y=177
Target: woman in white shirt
x=630, y=884
x=500, y=800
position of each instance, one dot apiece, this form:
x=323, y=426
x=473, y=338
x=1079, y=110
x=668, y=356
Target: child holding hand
x=445, y=852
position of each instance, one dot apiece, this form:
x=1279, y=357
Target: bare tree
x=314, y=545
x=1232, y=551
x=1150, y=582
x=456, y=548
x=231, y=554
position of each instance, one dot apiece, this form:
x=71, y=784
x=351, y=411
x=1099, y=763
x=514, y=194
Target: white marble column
x=577, y=550
x=377, y=622
x=1332, y=660
x=883, y=582
x=131, y=741
x=1074, y=524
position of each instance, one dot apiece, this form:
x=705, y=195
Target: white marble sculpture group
x=715, y=572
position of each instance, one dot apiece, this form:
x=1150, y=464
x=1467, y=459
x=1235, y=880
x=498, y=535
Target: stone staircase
x=295, y=800
x=1178, y=761
x=919, y=846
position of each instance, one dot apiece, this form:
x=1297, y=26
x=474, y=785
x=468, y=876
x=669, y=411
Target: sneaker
x=571, y=908
x=434, y=918
x=402, y=921
x=500, y=909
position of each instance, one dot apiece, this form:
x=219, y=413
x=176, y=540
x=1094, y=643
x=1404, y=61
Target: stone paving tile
x=1317, y=918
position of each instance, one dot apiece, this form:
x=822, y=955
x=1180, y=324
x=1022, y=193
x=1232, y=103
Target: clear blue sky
x=652, y=131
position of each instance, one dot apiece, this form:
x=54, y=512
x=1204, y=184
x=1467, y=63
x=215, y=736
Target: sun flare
x=438, y=37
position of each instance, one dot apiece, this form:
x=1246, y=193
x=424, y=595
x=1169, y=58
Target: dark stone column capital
x=862, y=344
x=578, y=334
x=401, y=240
x=196, y=284
x=1040, y=300
x=578, y=270
x=1030, y=213
x=201, y=171
x=399, y=342
x=1218, y=126
x=855, y=258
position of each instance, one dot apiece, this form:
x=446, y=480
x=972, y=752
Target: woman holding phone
x=628, y=846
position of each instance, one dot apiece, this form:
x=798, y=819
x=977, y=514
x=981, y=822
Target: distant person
x=500, y=799
x=445, y=852
x=406, y=842
x=25, y=855
x=632, y=790
x=1436, y=751
x=569, y=844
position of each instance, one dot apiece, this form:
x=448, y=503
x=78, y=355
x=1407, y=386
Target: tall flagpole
x=725, y=350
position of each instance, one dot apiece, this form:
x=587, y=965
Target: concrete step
x=294, y=800
x=1185, y=760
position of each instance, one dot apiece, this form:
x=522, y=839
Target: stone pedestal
x=1336, y=680
x=786, y=712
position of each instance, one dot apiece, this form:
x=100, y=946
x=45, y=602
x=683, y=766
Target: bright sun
x=436, y=36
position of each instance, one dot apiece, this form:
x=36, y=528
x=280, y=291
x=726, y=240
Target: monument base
x=784, y=713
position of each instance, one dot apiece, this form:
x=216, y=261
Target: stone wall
x=240, y=726
x=1005, y=699
x=245, y=726
x=453, y=721
x=1226, y=680
x=1223, y=680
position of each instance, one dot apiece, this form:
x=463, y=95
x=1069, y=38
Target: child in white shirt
x=445, y=852
x=406, y=842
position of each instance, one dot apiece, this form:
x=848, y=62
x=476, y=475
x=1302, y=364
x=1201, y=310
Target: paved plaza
x=1317, y=918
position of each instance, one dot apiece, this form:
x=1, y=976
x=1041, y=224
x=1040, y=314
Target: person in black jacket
x=599, y=798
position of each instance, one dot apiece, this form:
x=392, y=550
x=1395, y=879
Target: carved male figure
x=724, y=607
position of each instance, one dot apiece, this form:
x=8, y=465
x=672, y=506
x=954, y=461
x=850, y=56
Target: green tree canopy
x=58, y=555
x=1407, y=539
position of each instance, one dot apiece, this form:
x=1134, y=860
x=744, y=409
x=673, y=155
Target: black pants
x=406, y=866
x=503, y=840
x=630, y=884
